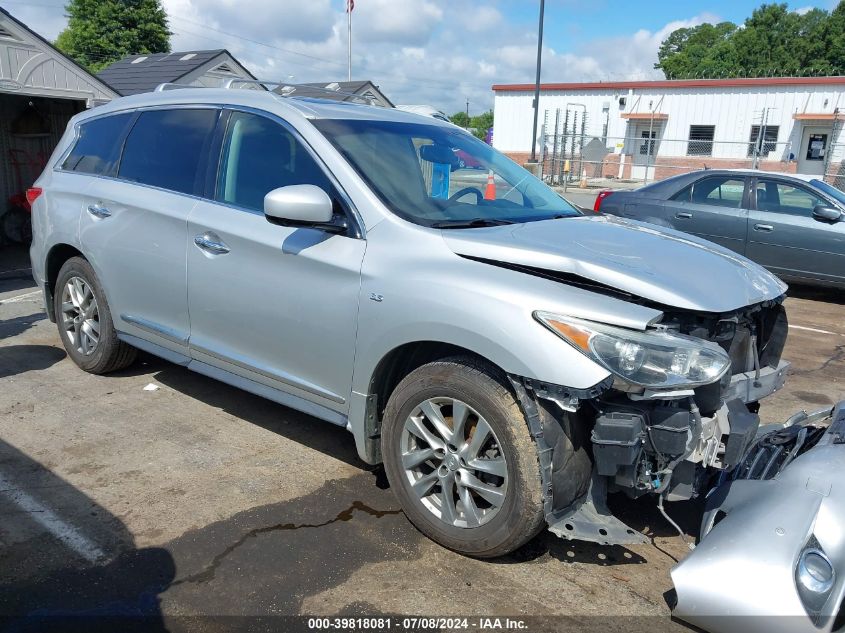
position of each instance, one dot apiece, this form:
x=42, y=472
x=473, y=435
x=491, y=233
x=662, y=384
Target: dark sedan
x=793, y=225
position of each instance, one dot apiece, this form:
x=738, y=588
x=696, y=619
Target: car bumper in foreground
x=783, y=500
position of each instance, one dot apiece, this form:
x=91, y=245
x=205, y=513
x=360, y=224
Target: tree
x=100, y=32
x=772, y=41
x=480, y=124
x=699, y=50
x=460, y=119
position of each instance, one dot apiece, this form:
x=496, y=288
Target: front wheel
x=459, y=456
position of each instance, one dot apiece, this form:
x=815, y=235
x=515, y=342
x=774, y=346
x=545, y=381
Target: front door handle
x=765, y=228
x=98, y=211
x=683, y=215
x=211, y=243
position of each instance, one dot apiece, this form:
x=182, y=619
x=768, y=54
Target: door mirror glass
x=298, y=204
x=826, y=214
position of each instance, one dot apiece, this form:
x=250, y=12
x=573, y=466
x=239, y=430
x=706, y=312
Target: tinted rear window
x=165, y=147
x=98, y=147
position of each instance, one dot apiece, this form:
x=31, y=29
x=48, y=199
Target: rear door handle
x=98, y=211
x=683, y=215
x=211, y=243
x=765, y=228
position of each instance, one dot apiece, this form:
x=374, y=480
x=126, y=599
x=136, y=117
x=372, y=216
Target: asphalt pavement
x=158, y=493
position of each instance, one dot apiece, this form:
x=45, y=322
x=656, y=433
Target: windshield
x=830, y=190
x=440, y=176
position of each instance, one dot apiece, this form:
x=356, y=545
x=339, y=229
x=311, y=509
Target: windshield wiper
x=474, y=223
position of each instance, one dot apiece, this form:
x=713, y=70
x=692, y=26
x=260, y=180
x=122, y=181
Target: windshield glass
x=441, y=176
x=830, y=190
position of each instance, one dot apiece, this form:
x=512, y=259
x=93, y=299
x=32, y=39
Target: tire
x=76, y=286
x=489, y=524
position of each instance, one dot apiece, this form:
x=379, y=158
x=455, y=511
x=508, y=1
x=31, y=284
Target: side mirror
x=826, y=214
x=298, y=205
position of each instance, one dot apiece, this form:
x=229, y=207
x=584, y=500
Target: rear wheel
x=84, y=320
x=459, y=456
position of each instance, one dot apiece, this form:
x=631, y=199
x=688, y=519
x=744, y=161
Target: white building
x=781, y=123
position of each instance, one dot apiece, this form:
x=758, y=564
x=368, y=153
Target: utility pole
x=350, y=5
x=537, y=86
x=467, y=113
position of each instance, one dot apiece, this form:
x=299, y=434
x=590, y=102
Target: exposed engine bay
x=653, y=441
x=670, y=441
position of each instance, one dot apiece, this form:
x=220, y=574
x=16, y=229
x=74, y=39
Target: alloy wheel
x=80, y=315
x=454, y=462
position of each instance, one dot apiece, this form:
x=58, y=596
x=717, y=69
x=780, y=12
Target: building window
x=765, y=145
x=647, y=146
x=701, y=140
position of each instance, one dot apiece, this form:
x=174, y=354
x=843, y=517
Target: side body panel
x=138, y=252
x=797, y=246
x=55, y=217
x=279, y=307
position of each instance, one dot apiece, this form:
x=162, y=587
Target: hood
x=662, y=265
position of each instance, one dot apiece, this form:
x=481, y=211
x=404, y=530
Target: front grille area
x=761, y=327
x=753, y=337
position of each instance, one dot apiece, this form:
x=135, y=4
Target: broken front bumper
x=746, y=573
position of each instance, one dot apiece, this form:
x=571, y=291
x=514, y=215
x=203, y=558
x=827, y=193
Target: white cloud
x=397, y=21
x=439, y=52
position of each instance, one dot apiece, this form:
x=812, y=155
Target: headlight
x=656, y=359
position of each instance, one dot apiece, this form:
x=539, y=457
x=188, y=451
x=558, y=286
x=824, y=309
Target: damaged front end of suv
x=681, y=406
x=680, y=400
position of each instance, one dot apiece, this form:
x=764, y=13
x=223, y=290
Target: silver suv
x=509, y=359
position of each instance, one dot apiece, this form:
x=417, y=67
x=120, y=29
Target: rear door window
x=718, y=191
x=98, y=147
x=166, y=149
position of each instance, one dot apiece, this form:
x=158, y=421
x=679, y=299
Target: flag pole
x=349, y=6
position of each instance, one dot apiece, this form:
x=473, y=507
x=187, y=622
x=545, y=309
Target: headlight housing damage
x=654, y=359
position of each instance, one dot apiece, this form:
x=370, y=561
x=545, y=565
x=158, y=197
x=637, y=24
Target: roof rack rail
x=289, y=89
x=170, y=86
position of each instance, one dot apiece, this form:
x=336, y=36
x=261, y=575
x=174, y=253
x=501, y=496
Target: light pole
x=537, y=85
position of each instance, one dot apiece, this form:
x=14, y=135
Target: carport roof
x=143, y=72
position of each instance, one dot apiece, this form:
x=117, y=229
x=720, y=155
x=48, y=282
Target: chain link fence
x=572, y=157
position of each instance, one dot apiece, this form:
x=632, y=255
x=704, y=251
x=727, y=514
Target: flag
x=350, y=4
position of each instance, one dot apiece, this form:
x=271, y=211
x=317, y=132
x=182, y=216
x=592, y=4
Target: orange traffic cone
x=490, y=189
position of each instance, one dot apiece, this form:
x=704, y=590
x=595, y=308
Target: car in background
x=792, y=224
x=467, y=161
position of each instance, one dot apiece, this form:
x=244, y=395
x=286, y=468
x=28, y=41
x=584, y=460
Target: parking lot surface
x=192, y=498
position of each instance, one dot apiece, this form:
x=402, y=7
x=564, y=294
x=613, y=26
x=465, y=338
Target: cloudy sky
x=436, y=52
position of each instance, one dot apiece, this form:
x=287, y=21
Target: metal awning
x=645, y=116
x=819, y=116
